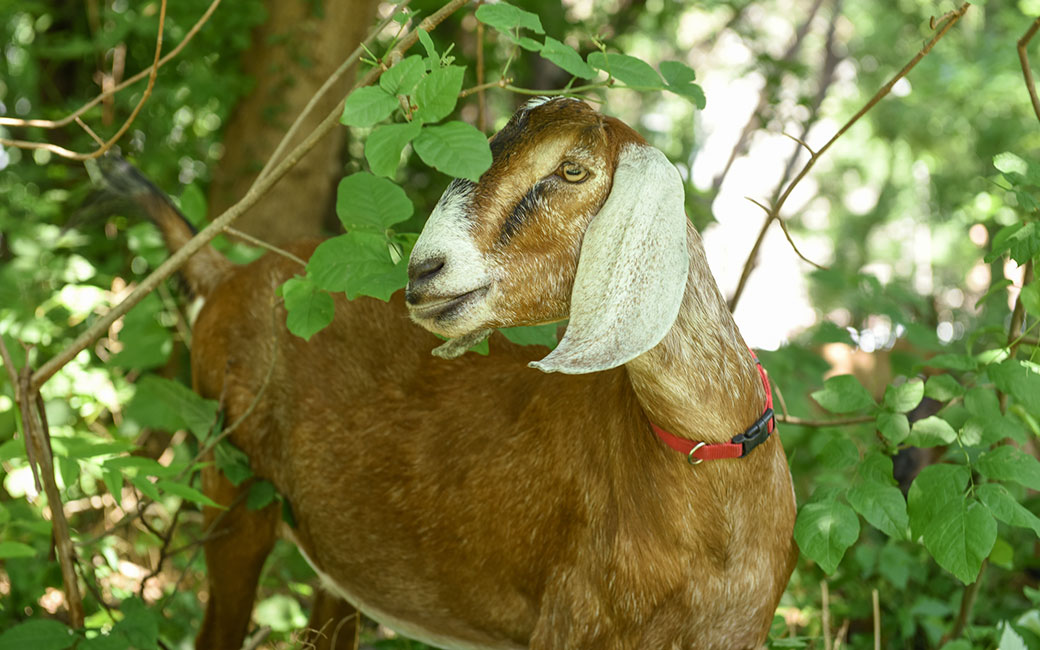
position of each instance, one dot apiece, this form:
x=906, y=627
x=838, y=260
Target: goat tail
x=206, y=268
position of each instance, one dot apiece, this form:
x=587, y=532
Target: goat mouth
x=442, y=309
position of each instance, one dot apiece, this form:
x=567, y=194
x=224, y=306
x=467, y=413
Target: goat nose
x=419, y=274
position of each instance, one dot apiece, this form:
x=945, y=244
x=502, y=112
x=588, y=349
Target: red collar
x=739, y=446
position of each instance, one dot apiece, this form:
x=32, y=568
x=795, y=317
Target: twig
x=825, y=615
x=253, y=642
x=153, y=72
x=480, y=88
x=778, y=204
x=877, y=618
x=259, y=243
x=258, y=189
x=68, y=119
x=38, y=452
x=967, y=603
x=790, y=419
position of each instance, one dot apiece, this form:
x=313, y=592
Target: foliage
x=915, y=478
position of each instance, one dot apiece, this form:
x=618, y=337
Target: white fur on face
x=447, y=237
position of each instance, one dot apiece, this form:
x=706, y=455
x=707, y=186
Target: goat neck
x=700, y=382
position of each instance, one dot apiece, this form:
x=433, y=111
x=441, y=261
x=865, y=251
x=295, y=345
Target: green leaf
x=882, y=506
x=432, y=58
x=146, y=342
x=633, y=72
x=893, y=426
x=1020, y=379
x=1030, y=297
x=876, y=468
x=38, y=634
x=960, y=536
x=403, y=77
x=932, y=431
x=9, y=549
x=309, y=308
x=1007, y=463
x=824, y=531
x=113, y=483
x=368, y=106
x=934, y=489
x=843, y=394
x=942, y=388
x=504, y=17
x=905, y=396
x=567, y=57
x=146, y=487
x=186, y=492
x=358, y=263
x=111, y=641
x=169, y=405
x=1005, y=508
x=385, y=144
x=371, y=203
x=232, y=461
x=952, y=361
x=679, y=78
x=261, y=494
x=140, y=625
x=839, y=453
x=437, y=94
x=455, y=148
x=532, y=335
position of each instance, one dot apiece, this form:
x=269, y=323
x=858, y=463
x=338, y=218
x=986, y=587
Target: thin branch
x=825, y=615
x=480, y=88
x=803, y=422
x=1024, y=60
x=68, y=119
x=876, y=602
x=255, y=192
x=152, y=73
x=259, y=243
x=794, y=246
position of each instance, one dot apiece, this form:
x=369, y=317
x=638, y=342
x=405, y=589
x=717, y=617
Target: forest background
x=887, y=280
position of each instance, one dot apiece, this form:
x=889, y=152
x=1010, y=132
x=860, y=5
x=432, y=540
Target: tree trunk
x=300, y=45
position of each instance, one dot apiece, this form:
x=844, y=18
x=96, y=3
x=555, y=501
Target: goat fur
x=475, y=502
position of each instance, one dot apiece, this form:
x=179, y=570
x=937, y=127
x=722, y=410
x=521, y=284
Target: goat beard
x=454, y=348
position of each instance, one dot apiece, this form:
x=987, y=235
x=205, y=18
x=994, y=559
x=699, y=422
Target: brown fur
x=480, y=501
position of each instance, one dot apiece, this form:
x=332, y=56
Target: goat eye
x=573, y=172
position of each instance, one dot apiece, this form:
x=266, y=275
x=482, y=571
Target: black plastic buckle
x=756, y=433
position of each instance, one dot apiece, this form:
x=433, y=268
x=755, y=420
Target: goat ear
x=632, y=269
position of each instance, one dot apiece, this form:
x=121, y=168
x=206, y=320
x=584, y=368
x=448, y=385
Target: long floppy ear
x=632, y=269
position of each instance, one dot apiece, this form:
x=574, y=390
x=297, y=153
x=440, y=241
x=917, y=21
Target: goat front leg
x=237, y=543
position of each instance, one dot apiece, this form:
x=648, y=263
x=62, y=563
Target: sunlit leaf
x=309, y=308
x=824, y=531
x=455, y=148
x=367, y=106
x=365, y=202
x=567, y=58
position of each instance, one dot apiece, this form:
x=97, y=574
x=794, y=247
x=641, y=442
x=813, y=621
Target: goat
x=473, y=502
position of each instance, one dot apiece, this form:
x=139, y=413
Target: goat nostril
x=424, y=270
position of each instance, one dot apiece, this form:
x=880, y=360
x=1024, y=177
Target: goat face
x=509, y=250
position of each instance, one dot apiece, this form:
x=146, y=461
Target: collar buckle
x=756, y=434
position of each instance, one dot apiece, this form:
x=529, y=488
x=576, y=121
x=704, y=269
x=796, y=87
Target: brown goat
x=474, y=502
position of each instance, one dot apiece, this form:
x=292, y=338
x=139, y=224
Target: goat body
x=475, y=502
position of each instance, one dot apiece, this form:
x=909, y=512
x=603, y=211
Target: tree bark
x=293, y=53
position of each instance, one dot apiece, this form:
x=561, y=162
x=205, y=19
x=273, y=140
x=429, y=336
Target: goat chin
x=475, y=502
